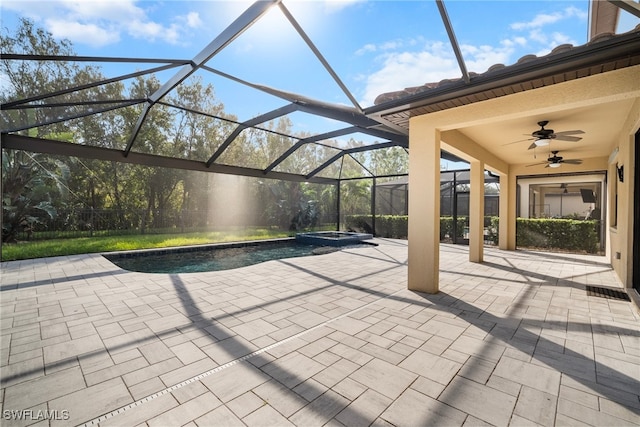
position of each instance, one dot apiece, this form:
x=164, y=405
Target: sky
x=373, y=46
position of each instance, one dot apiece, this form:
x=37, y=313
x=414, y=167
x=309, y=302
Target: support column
x=476, y=212
x=507, y=220
x=540, y=213
x=338, y=206
x=424, y=208
x=526, y=202
x=373, y=208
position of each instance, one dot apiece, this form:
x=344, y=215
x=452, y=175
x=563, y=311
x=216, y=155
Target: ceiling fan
x=556, y=161
x=542, y=136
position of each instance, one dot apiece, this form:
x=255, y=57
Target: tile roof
x=528, y=72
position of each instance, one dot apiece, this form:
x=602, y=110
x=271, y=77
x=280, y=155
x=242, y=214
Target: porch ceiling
x=599, y=123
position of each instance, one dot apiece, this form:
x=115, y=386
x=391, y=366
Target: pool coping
x=221, y=245
x=323, y=238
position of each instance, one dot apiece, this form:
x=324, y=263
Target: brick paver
x=330, y=339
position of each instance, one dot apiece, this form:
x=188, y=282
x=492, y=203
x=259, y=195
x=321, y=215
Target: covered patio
x=334, y=339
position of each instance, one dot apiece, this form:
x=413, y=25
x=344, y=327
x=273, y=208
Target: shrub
x=446, y=228
x=560, y=234
x=359, y=223
x=391, y=226
x=493, y=229
x=564, y=234
x=396, y=226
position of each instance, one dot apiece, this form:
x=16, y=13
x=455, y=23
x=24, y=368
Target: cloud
x=173, y=33
x=369, y=47
x=91, y=34
x=146, y=30
x=538, y=21
x=414, y=62
x=537, y=32
x=192, y=19
x=431, y=63
x=389, y=45
x=27, y=9
x=515, y=42
x=544, y=42
x=106, y=11
x=542, y=19
x=99, y=23
x=479, y=58
x=410, y=68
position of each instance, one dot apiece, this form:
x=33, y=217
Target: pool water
x=213, y=258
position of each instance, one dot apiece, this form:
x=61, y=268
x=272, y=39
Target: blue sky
x=374, y=46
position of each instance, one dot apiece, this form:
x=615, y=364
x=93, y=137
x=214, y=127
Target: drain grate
x=596, y=291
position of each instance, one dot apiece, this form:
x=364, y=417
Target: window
x=614, y=193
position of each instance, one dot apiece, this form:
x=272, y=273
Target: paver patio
x=333, y=339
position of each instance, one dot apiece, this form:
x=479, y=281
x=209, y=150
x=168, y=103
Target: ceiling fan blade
x=568, y=138
x=515, y=142
x=573, y=161
x=532, y=146
x=538, y=164
x=570, y=132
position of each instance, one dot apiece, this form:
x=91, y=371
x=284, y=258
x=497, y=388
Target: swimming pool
x=217, y=257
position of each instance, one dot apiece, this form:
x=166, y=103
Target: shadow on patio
x=339, y=338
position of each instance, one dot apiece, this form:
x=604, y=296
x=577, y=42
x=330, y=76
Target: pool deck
x=333, y=339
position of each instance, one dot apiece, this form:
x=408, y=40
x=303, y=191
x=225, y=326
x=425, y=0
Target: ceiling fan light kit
x=555, y=161
x=542, y=137
x=542, y=142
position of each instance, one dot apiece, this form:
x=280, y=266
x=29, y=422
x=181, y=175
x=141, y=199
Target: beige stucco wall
x=621, y=234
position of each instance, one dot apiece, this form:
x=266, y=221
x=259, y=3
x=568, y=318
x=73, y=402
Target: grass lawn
x=83, y=245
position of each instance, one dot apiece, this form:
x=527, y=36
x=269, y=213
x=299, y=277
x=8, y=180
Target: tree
x=390, y=161
x=27, y=196
x=197, y=133
x=29, y=78
x=32, y=182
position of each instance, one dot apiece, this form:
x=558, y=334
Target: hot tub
x=332, y=238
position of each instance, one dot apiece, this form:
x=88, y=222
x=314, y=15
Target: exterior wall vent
x=596, y=291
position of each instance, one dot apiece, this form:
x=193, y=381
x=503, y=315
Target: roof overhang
x=565, y=63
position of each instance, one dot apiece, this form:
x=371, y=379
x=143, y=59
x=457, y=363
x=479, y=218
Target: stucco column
x=476, y=212
x=507, y=214
x=524, y=202
x=541, y=202
x=424, y=208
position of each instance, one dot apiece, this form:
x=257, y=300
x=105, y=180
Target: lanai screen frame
x=355, y=116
